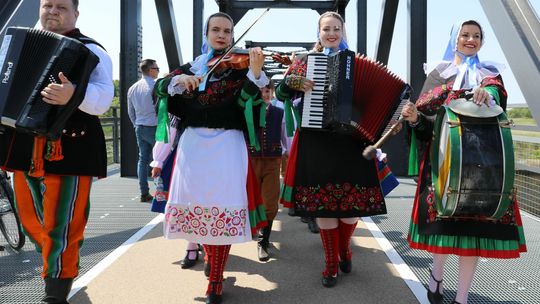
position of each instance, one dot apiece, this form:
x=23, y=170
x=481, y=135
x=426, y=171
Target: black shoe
x=207, y=269
x=291, y=212
x=145, y=198
x=187, y=262
x=312, y=225
x=435, y=297
x=264, y=242
x=329, y=281
x=262, y=251
x=213, y=298
x=57, y=290
x=345, y=266
x=304, y=219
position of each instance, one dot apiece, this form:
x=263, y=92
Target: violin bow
x=232, y=46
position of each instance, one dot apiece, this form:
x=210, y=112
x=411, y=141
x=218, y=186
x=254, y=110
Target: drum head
x=466, y=107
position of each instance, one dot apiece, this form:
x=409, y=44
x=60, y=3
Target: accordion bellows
x=378, y=94
x=359, y=95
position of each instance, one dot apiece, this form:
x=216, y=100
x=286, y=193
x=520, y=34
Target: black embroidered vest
x=83, y=143
x=270, y=136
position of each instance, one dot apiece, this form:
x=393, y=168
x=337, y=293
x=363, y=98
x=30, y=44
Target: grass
x=525, y=133
x=524, y=121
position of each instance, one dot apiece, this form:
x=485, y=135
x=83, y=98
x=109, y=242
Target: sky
x=100, y=19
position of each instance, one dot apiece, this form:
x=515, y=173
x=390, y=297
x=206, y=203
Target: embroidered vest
x=270, y=136
x=83, y=143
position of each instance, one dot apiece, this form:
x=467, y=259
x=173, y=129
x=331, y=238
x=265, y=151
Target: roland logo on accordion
x=7, y=73
x=31, y=59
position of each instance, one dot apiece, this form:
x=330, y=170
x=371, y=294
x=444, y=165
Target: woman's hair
x=318, y=46
x=219, y=14
x=473, y=22
x=270, y=85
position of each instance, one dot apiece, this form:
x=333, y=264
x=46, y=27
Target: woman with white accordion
x=473, y=236
x=326, y=175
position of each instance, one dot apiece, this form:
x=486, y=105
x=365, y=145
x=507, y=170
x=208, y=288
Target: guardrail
x=111, y=128
x=527, y=178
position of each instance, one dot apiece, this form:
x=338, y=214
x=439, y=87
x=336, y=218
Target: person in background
x=52, y=186
x=267, y=164
x=163, y=155
x=142, y=113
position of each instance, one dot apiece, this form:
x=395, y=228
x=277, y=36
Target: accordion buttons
x=82, y=133
x=64, y=131
x=73, y=134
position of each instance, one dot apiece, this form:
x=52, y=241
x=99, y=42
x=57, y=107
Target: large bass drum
x=472, y=164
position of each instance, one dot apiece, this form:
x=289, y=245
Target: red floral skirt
x=327, y=176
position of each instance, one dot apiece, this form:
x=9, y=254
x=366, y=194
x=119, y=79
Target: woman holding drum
x=465, y=203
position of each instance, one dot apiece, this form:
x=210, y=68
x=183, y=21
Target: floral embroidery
x=298, y=67
x=432, y=211
x=343, y=197
x=204, y=221
x=429, y=102
x=507, y=219
x=218, y=91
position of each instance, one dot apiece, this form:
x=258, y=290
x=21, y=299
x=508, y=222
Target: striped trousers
x=54, y=211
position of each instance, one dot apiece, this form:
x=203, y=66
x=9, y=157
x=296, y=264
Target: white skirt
x=208, y=195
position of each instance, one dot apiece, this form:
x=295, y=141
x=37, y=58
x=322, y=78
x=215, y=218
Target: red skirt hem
x=497, y=254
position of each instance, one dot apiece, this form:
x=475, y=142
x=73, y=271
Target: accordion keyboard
x=312, y=114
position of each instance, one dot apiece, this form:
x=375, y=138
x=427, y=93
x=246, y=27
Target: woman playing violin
x=214, y=199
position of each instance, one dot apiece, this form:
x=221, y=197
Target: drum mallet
x=370, y=152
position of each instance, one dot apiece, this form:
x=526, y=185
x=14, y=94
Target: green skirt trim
x=285, y=197
x=257, y=219
x=467, y=245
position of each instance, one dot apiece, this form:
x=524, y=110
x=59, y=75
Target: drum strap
x=413, y=155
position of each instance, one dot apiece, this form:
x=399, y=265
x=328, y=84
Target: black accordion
x=30, y=60
x=352, y=94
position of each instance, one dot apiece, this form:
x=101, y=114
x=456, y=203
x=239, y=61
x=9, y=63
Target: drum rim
x=507, y=190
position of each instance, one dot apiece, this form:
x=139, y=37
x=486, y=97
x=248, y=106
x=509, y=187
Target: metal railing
x=111, y=128
x=527, y=178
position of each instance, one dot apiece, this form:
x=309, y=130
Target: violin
x=238, y=59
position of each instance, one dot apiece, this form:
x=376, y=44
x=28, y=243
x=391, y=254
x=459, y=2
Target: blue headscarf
x=468, y=69
x=343, y=43
x=199, y=65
